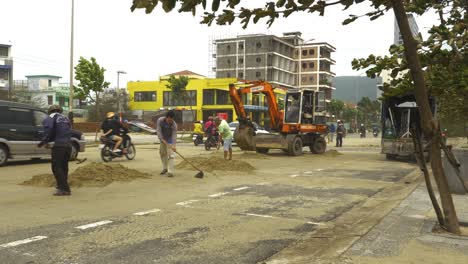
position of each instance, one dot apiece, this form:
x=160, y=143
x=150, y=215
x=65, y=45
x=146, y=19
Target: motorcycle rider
x=362, y=131
x=111, y=129
x=198, y=129
x=210, y=129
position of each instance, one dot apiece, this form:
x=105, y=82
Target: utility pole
x=119, y=105
x=70, y=96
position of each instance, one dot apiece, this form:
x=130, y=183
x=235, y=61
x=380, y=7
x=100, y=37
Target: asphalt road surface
x=227, y=217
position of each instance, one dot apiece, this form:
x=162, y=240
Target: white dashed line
x=100, y=223
x=294, y=175
x=241, y=188
x=320, y=169
x=314, y=223
x=21, y=242
x=147, y=212
x=308, y=172
x=258, y=215
x=263, y=183
x=218, y=194
x=187, y=202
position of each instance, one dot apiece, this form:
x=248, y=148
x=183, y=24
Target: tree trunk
x=428, y=124
x=98, y=111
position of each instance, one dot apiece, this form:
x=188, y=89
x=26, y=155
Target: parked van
x=21, y=130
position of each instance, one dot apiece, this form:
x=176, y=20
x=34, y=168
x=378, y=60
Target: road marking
x=24, y=241
x=417, y=216
x=320, y=169
x=294, y=175
x=186, y=202
x=263, y=183
x=308, y=172
x=314, y=223
x=147, y=212
x=242, y=188
x=218, y=194
x=100, y=223
x=258, y=215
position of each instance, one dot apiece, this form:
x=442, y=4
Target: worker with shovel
x=166, y=129
x=226, y=135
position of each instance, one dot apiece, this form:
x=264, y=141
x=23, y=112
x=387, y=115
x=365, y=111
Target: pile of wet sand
x=332, y=153
x=91, y=175
x=215, y=163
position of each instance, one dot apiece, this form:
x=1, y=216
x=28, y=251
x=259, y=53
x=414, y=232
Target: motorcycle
x=107, y=145
x=375, y=133
x=197, y=139
x=212, y=142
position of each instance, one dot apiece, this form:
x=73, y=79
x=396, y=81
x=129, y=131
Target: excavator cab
x=299, y=108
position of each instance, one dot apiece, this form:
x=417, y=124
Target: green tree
x=369, y=111
x=178, y=88
x=336, y=107
x=91, y=82
x=272, y=11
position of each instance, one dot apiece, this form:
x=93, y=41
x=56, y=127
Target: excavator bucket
x=245, y=136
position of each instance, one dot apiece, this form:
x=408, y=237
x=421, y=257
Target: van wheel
x=74, y=151
x=3, y=155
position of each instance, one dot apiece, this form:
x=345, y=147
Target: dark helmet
x=55, y=109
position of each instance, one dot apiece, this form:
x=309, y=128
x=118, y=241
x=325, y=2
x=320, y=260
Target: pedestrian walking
x=331, y=135
x=226, y=135
x=166, y=129
x=340, y=133
x=57, y=130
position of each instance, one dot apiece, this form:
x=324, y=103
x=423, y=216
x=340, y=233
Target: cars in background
x=258, y=129
x=138, y=126
x=21, y=130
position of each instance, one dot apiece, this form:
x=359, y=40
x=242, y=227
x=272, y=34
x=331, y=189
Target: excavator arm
x=245, y=133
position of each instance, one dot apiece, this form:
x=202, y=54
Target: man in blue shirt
x=57, y=130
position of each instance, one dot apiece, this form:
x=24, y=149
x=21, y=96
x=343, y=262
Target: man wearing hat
x=57, y=130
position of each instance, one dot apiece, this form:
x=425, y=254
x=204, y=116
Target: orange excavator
x=292, y=129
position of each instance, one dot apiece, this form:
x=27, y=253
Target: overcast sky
x=148, y=46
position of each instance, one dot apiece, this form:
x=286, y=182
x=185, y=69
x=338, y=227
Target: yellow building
x=205, y=96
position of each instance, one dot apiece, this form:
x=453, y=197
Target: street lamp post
x=119, y=105
x=70, y=96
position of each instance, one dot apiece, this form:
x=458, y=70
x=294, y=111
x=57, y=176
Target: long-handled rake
x=200, y=173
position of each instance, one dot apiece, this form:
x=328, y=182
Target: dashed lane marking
x=147, y=212
x=186, y=202
x=24, y=241
x=259, y=215
x=100, y=223
x=218, y=194
x=242, y=188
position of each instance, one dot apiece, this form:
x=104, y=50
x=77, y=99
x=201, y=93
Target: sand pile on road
x=91, y=175
x=332, y=153
x=216, y=163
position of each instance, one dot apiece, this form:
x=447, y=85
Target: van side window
x=39, y=117
x=21, y=116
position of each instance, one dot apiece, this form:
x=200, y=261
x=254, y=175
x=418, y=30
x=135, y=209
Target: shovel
x=200, y=173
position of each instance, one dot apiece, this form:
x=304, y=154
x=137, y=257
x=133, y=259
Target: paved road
x=228, y=217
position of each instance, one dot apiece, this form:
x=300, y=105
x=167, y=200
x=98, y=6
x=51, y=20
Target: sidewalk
x=406, y=235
